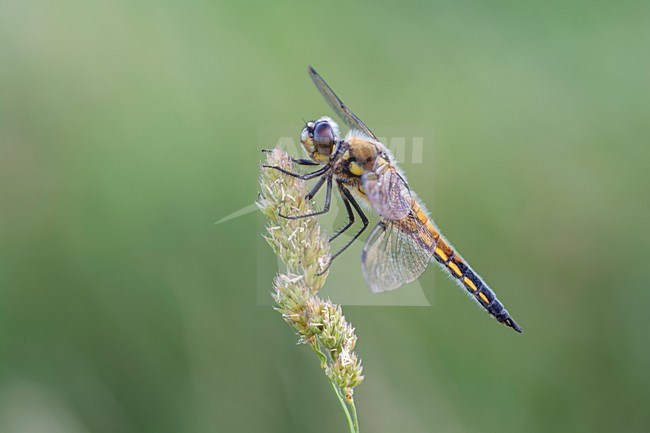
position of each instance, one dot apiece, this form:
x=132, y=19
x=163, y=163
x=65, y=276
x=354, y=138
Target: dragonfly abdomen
x=462, y=273
x=465, y=276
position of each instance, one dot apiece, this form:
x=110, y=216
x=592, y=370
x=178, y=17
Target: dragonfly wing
x=396, y=253
x=350, y=119
x=388, y=194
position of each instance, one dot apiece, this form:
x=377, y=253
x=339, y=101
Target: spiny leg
x=299, y=161
x=304, y=161
x=350, y=219
x=326, y=206
x=306, y=176
x=347, y=195
x=316, y=188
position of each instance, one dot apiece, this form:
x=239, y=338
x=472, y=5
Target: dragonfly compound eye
x=323, y=133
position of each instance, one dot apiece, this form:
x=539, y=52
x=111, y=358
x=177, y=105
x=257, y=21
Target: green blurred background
x=128, y=128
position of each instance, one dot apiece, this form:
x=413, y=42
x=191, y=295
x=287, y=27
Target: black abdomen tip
x=511, y=323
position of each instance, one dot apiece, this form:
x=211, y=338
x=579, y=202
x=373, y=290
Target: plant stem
x=351, y=416
x=353, y=410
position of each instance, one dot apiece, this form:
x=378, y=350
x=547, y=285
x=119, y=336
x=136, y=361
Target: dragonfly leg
x=305, y=176
x=299, y=161
x=304, y=161
x=326, y=206
x=364, y=220
x=347, y=196
x=316, y=188
x=347, y=225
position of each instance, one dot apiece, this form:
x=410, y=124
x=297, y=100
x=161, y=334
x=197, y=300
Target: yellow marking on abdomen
x=442, y=254
x=422, y=216
x=415, y=206
x=424, y=219
x=454, y=268
x=484, y=298
x=470, y=284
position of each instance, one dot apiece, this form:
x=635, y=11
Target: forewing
x=396, y=253
x=388, y=194
x=350, y=119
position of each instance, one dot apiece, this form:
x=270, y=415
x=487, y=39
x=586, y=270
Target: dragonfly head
x=319, y=138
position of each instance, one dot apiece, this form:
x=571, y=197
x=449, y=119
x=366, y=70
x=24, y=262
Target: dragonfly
x=405, y=241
